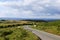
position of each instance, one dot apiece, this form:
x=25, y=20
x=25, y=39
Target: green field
x=51, y=27
x=12, y=30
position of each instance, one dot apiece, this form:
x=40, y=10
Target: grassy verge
x=50, y=27
x=16, y=34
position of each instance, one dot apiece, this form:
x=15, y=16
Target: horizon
x=46, y=19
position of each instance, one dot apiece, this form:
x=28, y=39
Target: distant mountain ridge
x=31, y=19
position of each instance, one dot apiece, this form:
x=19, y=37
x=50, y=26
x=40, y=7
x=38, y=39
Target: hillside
x=51, y=27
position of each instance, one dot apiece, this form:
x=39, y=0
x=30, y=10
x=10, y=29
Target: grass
x=16, y=34
x=51, y=27
x=13, y=31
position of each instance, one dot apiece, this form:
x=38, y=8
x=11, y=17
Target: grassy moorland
x=9, y=30
x=51, y=27
x=12, y=30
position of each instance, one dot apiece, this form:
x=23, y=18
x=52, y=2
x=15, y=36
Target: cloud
x=30, y=8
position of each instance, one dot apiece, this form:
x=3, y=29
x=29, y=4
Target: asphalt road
x=43, y=35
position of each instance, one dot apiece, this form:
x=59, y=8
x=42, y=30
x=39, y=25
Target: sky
x=30, y=8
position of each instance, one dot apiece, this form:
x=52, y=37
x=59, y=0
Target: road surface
x=43, y=35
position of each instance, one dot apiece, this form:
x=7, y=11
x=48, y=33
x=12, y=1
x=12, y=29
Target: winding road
x=41, y=34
